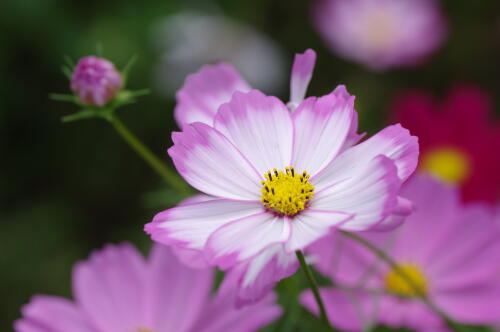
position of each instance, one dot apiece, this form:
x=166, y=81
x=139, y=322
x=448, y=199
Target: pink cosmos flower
x=95, y=80
x=456, y=139
x=278, y=177
x=381, y=33
x=117, y=290
x=449, y=251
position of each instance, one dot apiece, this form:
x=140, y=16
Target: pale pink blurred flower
x=239, y=151
x=190, y=39
x=381, y=34
x=118, y=290
x=95, y=80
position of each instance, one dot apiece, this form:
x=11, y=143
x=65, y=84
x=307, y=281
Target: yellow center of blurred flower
x=407, y=280
x=450, y=164
x=286, y=192
x=144, y=330
x=379, y=30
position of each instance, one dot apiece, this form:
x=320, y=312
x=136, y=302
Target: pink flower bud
x=95, y=80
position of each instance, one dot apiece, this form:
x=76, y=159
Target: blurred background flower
x=457, y=137
x=116, y=289
x=447, y=250
x=190, y=39
x=381, y=33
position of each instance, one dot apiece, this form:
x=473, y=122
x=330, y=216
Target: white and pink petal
x=321, y=128
x=256, y=277
x=260, y=127
x=394, y=142
x=212, y=164
x=369, y=193
x=244, y=238
x=302, y=70
x=310, y=225
x=204, y=91
x=190, y=225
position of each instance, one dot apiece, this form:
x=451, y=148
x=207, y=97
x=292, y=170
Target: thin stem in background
x=314, y=288
x=171, y=178
x=392, y=263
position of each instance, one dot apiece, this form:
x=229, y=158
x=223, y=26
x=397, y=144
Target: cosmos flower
x=381, y=33
x=449, y=251
x=95, y=80
x=190, y=39
x=117, y=290
x=279, y=177
x=456, y=139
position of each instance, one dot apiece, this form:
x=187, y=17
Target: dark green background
x=69, y=188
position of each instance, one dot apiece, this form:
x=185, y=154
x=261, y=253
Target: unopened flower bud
x=95, y=80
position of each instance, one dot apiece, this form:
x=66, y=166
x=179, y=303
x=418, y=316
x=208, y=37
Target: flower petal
x=190, y=225
x=257, y=276
x=204, y=91
x=209, y=162
x=395, y=142
x=403, y=209
x=245, y=238
x=369, y=192
x=302, y=69
x=222, y=315
x=52, y=314
x=260, y=127
x=321, y=128
x=175, y=295
x=310, y=225
x=109, y=287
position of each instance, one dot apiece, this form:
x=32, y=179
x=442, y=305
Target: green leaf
x=64, y=97
x=67, y=72
x=128, y=66
x=84, y=114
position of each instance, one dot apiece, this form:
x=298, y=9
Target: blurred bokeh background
x=69, y=188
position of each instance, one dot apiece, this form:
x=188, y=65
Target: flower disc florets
x=286, y=192
x=399, y=284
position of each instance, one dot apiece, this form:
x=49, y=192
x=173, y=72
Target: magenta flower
x=456, y=136
x=449, y=251
x=95, y=80
x=279, y=177
x=381, y=33
x=117, y=290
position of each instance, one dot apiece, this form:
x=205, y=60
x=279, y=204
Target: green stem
x=314, y=288
x=142, y=150
x=392, y=263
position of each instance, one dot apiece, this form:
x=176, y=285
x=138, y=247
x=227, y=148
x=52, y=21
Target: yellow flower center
x=407, y=280
x=450, y=164
x=286, y=192
x=144, y=330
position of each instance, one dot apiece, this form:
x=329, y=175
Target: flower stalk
x=149, y=157
x=313, y=285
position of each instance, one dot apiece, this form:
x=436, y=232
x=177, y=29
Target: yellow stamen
x=286, y=192
x=450, y=164
x=144, y=330
x=399, y=285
